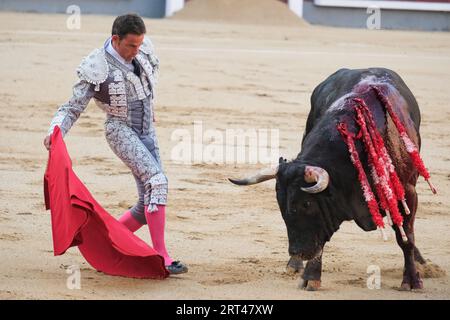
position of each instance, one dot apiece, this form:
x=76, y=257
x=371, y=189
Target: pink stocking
x=129, y=221
x=156, y=222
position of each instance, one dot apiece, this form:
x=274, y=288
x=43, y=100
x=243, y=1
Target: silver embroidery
x=137, y=85
x=69, y=112
x=116, y=88
x=118, y=75
x=118, y=100
x=147, y=46
x=146, y=86
x=127, y=146
x=158, y=189
x=117, y=111
x=148, y=68
x=94, y=68
x=150, y=63
x=114, y=97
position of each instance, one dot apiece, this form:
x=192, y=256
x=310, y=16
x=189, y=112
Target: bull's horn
x=263, y=175
x=318, y=175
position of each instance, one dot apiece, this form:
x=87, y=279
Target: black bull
x=320, y=189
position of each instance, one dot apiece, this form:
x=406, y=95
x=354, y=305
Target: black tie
x=137, y=69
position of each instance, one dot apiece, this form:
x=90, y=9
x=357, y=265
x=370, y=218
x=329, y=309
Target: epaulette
x=148, y=49
x=94, y=68
x=147, y=46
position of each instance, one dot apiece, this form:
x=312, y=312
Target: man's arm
x=68, y=113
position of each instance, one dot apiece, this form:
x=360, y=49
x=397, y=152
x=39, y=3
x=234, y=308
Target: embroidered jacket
x=111, y=84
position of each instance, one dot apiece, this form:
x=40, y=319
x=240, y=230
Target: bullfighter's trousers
x=140, y=152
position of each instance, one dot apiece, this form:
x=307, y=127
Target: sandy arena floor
x=227, y=76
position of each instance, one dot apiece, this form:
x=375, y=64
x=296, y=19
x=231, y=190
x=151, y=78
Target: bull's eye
x=306, y=204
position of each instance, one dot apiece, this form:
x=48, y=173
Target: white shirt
x=110, y=49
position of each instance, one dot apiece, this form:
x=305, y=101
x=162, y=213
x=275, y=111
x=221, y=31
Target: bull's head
x=304, y=202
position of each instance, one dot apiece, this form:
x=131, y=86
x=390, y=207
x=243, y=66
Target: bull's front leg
x=313, y=273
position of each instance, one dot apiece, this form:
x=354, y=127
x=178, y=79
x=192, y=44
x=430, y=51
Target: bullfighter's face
x=128, y=46
x=301, y=212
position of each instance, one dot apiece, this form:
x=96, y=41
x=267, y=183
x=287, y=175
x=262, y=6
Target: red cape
x=78, y=220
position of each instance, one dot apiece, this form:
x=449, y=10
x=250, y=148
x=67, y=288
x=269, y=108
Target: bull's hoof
x=414, y=284
x=405, y=286
x=311, y=285
x=408, y=287
x=417, y=285
x=295, y=265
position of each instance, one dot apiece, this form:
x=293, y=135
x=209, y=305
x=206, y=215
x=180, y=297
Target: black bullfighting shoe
x=177, y=267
